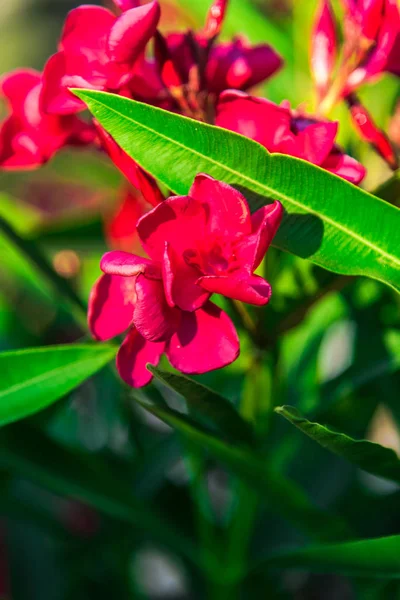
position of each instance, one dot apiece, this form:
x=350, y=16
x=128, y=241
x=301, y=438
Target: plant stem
x=30, y=250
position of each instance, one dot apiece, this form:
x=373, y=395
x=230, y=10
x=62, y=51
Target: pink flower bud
x=215, y=18
x=323, y=46
x=369, y=131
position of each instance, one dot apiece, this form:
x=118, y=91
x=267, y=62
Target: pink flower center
x=218, y=257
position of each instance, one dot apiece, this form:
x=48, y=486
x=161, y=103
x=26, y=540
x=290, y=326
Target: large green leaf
x=328, y=220
x=33, y=379
x=366, y=455
x=280, y=494
x=209, y=405
x=375, y=558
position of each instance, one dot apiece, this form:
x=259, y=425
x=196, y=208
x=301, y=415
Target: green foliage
x=33, y=379
x=327, y=220
x=376, y=558
x=365, y=455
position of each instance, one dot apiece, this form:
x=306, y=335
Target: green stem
x=35, y=256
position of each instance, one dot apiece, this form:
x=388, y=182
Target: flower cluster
x=371, y=46
x=198, y=244
x=206, y=242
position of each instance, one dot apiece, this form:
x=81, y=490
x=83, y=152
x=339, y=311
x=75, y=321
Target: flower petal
x=131, y=32
x=344, y=166
x=126, y=264
x=55, y=96
x=251, y=289
x=206, y=340
x=133, y=356
x=15, y=87
x=256, y=118
x=265, y=223
x=227, y=209
x=238, y=66
x=179, y=220
x=111, y=303
x=180, y=282
x=153, y=318
x=126, y=4
x=316, y=141
x=86, y=29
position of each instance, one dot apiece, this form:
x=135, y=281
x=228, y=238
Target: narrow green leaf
x=33, y=254
x=333, y=223
x=366, y=455
x=33, y=379
x=373, y=558
x=280, y=494
x=208, y=404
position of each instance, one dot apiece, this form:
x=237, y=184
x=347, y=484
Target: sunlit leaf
x=328, y=220
x=33, y=379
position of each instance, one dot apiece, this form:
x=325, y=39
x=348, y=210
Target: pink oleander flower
x=208, y=242
x=191, y=69
x=280, y=129
x=202, y=243
x=28, y=136
x=98, y=51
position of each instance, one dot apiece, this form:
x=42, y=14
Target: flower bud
x=215, y=18
x=323, y=47
x=371, y=133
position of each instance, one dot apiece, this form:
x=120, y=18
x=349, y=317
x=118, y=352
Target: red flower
x=281, y=130
x=97, y=50
x=190, y=69
x=208, y=242
x=204, y=243
x=131, y=296
x=29, y=137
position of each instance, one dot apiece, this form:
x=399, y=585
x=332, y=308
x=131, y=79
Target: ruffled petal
x=153, y=318
x=235, y=65
x=133, y=356
x=126, y=264
x=345, y=166
x=180, y=282
x=179, y=220
x=55, y=96
x=131, y=32
x=227, y=209
x=265, y=223
x=206, y=340
x=256, y=118
x=251, y=289
x=86, y=30
x=316, y=141
x=111, y=303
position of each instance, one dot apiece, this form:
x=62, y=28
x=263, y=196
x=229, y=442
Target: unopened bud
x=371, y=133
x=323, y=47
x=215, y=18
